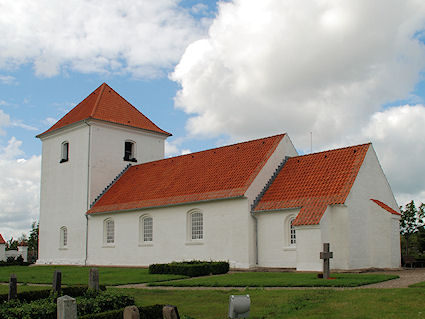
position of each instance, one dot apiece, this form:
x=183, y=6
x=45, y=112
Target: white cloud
x=4, y=121
x=398, y=138
x=139, y=37
x=50, y=121
x=7, y=79
x=321, y=66
x=172, y=148
x=19, y=190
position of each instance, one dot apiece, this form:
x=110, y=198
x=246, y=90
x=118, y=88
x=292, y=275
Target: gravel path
x=407, y=277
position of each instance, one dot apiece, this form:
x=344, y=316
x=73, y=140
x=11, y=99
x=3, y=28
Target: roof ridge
x=211, y=149
x=333, y=149
x=102, y=89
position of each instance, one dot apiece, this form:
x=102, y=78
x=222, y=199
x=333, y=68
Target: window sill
x=108, y=246
x=63, y=248
x=63, y=161
x=194, y=243
x=290, y=248
x=146, y=245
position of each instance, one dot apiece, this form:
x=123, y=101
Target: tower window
x=64, y=152
x=129, y=151
x=63, y=237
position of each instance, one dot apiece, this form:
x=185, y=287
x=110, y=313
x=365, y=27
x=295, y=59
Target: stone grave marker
x=131, y=312
x=170, y=312
x=57, y=281
x=13, y=287
x=94, y=279
x=326, y=255
x=66, y=308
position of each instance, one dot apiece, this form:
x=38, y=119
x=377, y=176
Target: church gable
x=224, y=172
x=2, y=240
x=312, y=182
x=107, y=105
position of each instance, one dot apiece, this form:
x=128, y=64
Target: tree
x=33, y=241
x=411, y=220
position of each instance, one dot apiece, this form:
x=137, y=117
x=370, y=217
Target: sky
x=330, y=73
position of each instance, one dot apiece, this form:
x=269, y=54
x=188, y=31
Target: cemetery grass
x=275, y=304
x=78, y=275
x=272, y=279
x=418, y=285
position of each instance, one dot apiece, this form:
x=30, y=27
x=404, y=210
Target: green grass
x=276, y=304
x=74, y=275
x=270, y=279
x=418, y=285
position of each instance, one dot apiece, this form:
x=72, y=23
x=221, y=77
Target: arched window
x=196, y=225
x=145, y=229
x=63, y=237
x=64, y=152
x=130, y=151
x=292, y=235
x=108, y=231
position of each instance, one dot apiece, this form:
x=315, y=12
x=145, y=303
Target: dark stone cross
x=57, y=282
x=13, y=287
x=326, y=255
x=94, y=279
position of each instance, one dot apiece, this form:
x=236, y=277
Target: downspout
x=88, y=193
x=256, y=235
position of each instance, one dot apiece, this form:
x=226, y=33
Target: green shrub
x=190, y=268
x=148, y=312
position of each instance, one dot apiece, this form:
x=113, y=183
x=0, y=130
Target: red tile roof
x=219, y=173
x=107, y=105
x=2, y=240
x=386, y=207
x=314, y=181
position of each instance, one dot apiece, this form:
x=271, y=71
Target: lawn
x=275, y=304
x=273, y=279
x=73, y=275
x=418, y=285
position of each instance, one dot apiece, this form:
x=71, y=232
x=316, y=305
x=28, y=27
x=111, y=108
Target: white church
x=108, y=197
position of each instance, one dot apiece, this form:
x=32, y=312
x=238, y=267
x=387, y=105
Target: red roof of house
x=2, y=240
x=107, y=105
x=314, y=181
x=219, y=173
x=386, y=207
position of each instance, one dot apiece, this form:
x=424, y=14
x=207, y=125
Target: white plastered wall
x=374, y=238
x=309, y=246
x=63, y=196
x=274, y=247
x=226, y=235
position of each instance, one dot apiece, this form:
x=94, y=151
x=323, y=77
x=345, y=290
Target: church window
x=146, y=229
x=64, y=152
x=130, y=151
x=109, y=231
x=63, y=237
x=292, y=235
x=196, y=225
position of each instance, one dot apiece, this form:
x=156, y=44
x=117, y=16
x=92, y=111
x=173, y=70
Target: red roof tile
x=386, y=207
x=2, y=240
x=107, y=105
x=314, y=181
x=218, y=173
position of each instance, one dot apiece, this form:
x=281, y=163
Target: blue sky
x=216, y=73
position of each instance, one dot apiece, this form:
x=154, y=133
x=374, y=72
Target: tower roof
x=312, y=182
x=2, y=240
x=107, y=105
x=224, y=172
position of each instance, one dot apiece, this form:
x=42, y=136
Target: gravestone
x=66, y=308
x=94, y=279
x=131, y=312
x=13, y=287
x=57, y=282
x=170, y=312
x=326, y=255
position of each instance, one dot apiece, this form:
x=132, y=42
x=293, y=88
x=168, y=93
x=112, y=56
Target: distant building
x=109, y=198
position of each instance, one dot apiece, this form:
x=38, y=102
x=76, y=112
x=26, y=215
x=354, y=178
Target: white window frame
x=144, y=240
x=108, y=238
x=290, y=235
x=63, y=237
x=198, y=236
x=64, y=152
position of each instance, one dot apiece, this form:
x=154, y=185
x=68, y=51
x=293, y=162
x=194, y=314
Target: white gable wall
x=63, y=196
x=373, y=233
x=226, y=237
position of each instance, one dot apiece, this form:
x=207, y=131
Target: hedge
x=191, y=268
x=148, y=312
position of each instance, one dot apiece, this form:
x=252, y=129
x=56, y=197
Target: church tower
x=81, y=154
